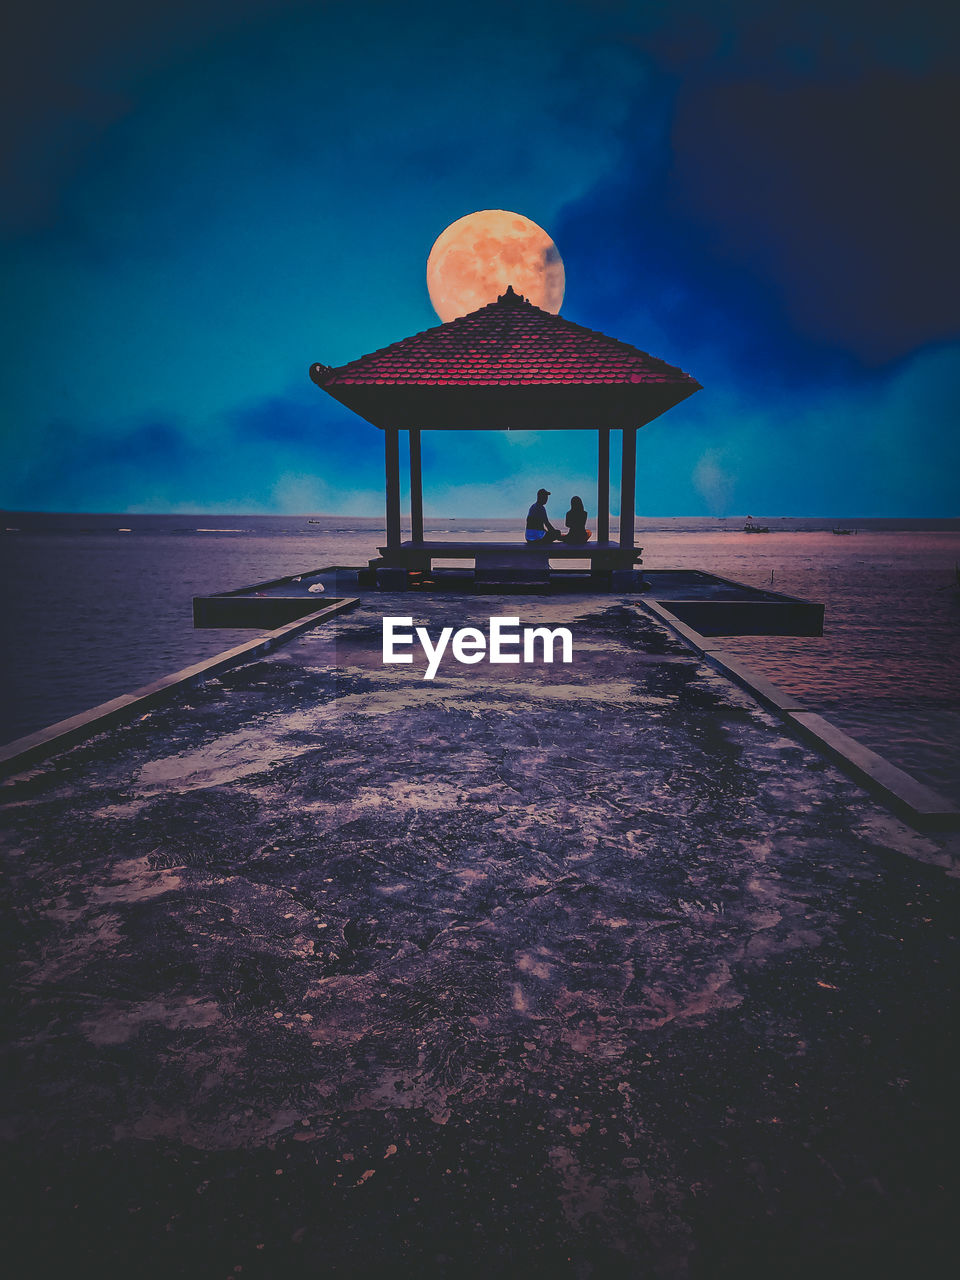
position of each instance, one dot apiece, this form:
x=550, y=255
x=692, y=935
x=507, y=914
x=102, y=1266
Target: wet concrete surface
x=575, y=970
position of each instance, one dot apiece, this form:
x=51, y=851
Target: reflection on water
x=887, y=668
x=92, y=612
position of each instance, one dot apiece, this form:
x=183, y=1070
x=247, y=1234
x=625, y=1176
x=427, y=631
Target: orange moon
x=473, y=261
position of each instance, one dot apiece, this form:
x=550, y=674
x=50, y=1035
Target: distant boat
x=839, y=532
x=314, y=522
x=750, y=527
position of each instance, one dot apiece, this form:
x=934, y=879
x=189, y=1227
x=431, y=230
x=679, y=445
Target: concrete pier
x=580, y=970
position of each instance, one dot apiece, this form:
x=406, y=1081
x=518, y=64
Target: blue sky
x=203, y=199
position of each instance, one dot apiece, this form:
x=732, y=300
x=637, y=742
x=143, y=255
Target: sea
x=97, y=605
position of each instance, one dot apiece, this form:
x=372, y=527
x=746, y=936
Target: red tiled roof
x=508, y=343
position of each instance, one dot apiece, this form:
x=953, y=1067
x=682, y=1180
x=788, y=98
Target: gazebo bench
x=507, y=561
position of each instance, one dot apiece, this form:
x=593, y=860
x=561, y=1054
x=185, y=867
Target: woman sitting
x=576, y=522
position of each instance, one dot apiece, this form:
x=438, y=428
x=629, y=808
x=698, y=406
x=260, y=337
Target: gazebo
x=508, y=366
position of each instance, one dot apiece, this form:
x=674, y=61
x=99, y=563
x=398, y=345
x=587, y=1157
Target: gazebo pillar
x=416, y=487
x=628, y=486
x=603, y=485
x=391, y=450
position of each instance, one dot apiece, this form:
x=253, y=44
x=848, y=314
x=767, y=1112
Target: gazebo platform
x=714, y=606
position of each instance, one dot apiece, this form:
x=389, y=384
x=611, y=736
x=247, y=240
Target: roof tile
x=509, y=342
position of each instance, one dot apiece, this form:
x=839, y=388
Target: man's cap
x=546, y=491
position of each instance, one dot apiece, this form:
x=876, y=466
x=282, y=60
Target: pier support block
x=391, y=579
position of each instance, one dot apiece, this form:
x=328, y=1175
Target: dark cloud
x=70, y=469
x=806, y=39
x=68, y=71
x=790, y=210
x=843, y=196
x=642, y=268
x=319, y=432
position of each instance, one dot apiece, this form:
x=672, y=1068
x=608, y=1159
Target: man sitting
x=539, y=528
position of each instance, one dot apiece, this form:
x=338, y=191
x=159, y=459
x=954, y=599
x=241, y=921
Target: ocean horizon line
x=227, y=514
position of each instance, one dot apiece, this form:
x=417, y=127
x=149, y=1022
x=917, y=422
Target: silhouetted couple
x=539, y=528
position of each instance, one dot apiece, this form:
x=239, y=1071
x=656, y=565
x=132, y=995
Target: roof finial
x=511, y=298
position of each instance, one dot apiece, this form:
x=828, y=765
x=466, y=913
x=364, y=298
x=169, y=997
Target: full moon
x=473, y=261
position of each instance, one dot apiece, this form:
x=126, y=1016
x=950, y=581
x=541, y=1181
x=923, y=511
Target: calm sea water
x=97, y=605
